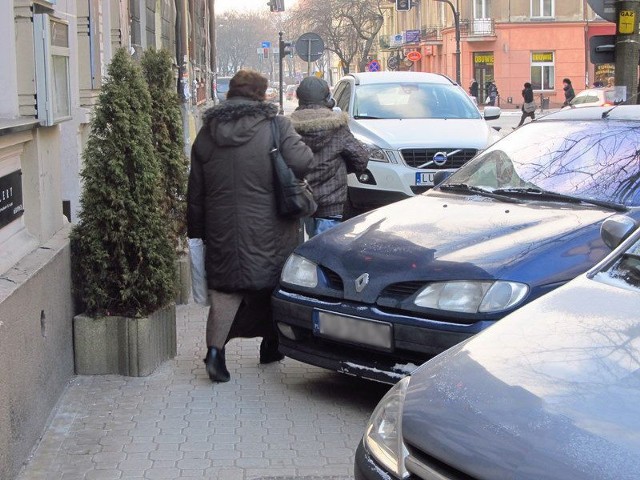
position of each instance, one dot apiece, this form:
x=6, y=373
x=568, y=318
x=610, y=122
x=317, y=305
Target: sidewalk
x=283, y=420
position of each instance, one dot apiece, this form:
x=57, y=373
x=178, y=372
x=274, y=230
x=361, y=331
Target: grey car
x=552, y=391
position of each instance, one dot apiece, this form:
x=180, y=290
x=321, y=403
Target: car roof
x=619, y=112
x=365, y=78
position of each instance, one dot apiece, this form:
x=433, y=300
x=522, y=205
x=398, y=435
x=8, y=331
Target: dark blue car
x=381, y=293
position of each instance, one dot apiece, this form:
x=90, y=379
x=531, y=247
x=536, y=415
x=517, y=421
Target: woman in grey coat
x=336, y=152
x=231, y=206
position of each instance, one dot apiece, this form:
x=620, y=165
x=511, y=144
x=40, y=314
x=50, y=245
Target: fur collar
x=238, y=107
x=317, y=119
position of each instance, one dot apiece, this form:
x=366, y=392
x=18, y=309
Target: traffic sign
x=605, y=8
x=393, y=62
x=266, y=44
x=414, y=56
x=309, y=47
x=373, y=66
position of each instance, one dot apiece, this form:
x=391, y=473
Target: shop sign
x=542, y=57
x=414, y=56
x=11, y=206
x=483, y=58
x=412, y=36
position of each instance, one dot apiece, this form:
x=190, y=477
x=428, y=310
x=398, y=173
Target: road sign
x=373, y=66
x=309, y=47
x=393, y=62
x=414, y=56
x=266, y=44
x=605, y=8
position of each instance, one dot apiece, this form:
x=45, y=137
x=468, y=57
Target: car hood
x=425, y=133
x=555, y=398
x=442, y=236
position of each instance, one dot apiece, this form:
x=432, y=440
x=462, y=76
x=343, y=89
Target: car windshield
x=585, y=97
x=222, y=86
x=412, y=100
x=596, y=160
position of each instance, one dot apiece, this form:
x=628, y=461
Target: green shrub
x=122, y=255
x=166, y=126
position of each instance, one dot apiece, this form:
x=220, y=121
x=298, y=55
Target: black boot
x=215, y=365
x=269, y=351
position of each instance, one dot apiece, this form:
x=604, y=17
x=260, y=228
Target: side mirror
x=616, y=229
x=491, y=113
x=440, y=176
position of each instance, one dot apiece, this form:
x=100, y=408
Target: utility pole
x=627, y=48
x=455, y=9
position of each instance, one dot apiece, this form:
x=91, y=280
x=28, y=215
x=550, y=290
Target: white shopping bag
x=198, y=274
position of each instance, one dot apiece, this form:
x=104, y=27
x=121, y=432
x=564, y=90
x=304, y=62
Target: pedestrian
x=473, y=89
x=336, y=152
x=529, y=106
x=492, y=93
x=569, y=94
x=232, y=207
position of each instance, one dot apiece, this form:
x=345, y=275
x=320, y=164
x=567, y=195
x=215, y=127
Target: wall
x=36, y=342
x=36, y=351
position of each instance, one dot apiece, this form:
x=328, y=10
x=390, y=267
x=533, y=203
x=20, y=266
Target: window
x=481, y=8
x=53, y=90
x=542, y=8
x=343, y=98
x=542, y=70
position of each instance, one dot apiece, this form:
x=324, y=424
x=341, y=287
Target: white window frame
x=53, y=84
x=540, y=5
x=544, y=66
x=483, y=11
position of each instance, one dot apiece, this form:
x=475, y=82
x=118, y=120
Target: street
x=277, y=421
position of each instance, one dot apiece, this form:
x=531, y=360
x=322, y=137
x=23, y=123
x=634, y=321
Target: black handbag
x=294, y=198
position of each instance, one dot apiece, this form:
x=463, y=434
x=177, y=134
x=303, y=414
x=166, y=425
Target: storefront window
x=542, y=70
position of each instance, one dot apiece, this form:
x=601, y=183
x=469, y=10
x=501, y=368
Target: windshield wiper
x=540, y=194
x=464, y=188
x=366, y=116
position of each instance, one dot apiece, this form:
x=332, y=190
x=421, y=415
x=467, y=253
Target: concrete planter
x=133, y=347
x=183, y=272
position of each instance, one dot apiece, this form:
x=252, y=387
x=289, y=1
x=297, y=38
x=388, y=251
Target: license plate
x=424, y=178
x=353, y=329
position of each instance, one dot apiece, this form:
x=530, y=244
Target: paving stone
x=270, y=422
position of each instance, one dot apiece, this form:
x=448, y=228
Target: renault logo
x=361, y=282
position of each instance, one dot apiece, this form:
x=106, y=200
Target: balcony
x=477, y=28
x=431, y=34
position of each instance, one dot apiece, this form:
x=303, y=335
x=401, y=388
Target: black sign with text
x=11, y=206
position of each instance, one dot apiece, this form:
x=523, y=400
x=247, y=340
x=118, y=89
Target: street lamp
x=456, y=20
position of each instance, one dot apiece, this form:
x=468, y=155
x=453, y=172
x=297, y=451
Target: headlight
x=383, y=436
x=299, y=271
x=472, y=296
x=375, y=152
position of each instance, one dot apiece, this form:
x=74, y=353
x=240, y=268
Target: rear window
x=222, y=85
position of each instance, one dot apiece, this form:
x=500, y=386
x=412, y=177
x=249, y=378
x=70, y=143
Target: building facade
x=507, y=42
x=55, y=58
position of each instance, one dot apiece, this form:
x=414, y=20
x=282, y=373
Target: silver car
x=414, y=125
x=552, y=391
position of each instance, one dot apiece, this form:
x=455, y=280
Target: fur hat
x=314, y=91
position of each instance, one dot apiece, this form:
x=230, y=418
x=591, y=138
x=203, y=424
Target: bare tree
x=327, y=19
x=238, y=36
x=366, y=17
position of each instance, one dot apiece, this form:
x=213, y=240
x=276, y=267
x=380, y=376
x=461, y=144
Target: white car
x=414, y=125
